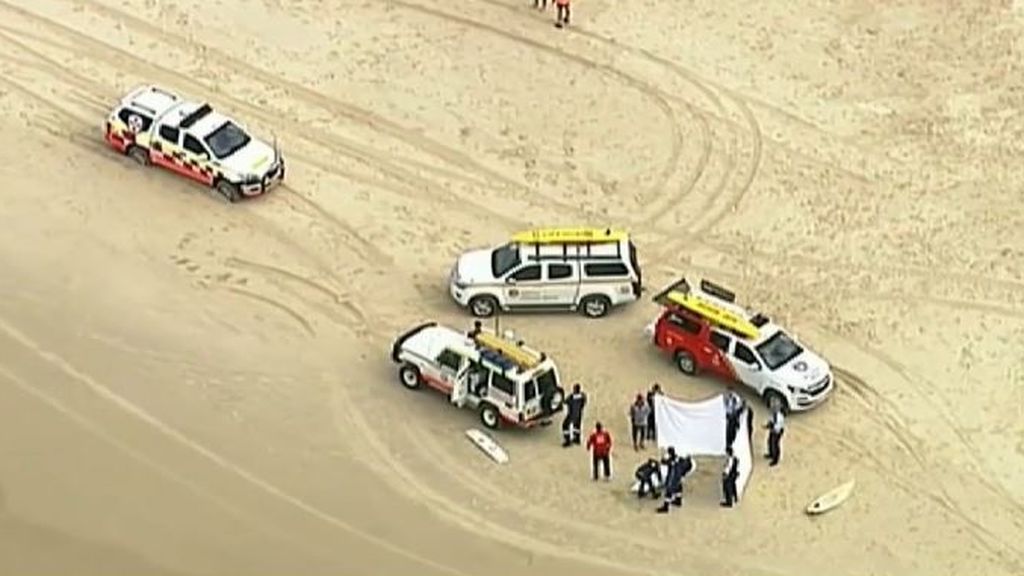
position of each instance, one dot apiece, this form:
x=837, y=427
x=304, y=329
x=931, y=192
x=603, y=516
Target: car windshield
x=778, y=350
x=504, y=259
x=227, y=140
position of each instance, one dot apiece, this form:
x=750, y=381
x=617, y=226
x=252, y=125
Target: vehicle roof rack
x=717, y=291
x=569, y=236
x=195, y=116
x=501, y=348
x=680, y=294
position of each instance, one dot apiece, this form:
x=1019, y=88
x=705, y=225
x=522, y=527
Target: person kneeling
x=646, y=473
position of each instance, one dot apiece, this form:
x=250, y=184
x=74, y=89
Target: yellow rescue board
x=569, y=236
x=715, y=314
x=831, y=499
x=521, y=357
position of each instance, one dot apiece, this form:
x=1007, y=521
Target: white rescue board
x=488, y=445
x=831, y=499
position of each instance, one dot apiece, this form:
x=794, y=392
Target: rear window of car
x=606, y=269
x=684, y=323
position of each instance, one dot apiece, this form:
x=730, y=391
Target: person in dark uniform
x=673, y=481
x=776, y=427
x=730, y=472
x=651, y=431
x=477, y=328
x=574, y=406
x=646, y=474
x=750, y=425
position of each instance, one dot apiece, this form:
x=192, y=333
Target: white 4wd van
x=505, y=381
x=585, y=269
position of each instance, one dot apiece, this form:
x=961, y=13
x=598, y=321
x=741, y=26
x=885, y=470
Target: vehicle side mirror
x=510, y=280
x=756, y=366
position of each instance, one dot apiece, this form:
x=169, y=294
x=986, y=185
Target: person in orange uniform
x=600, y=445
x=562, y=16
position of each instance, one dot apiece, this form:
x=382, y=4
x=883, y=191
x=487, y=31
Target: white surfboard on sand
x=831, y=499
x=488, y=445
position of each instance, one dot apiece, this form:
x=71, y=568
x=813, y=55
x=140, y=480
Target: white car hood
x=474, y=267
x=803, y=371
x=253, y=160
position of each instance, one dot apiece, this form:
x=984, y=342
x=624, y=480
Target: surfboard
x=831, y=499
x=487, y=445
x=509, y=349
x=714, y=313
x=569, y=235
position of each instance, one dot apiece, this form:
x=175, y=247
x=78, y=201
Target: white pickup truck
x=154, y=126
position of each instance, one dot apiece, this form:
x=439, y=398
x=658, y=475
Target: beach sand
x=191, y=387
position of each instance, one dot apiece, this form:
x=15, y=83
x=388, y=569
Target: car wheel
x=229, y=191
x=489, y=417
x=410, y=377
x=774, y=399
x=685, y=362
x=140, y=155
x=595, y=306
x=483, y=306
x=553, y=402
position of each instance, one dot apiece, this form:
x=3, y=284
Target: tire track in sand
x=120, y=59
x=659, y=208
x=211, y=456
x=670, y=166
x=368, y=118
x=233, y=66
x=891, y=417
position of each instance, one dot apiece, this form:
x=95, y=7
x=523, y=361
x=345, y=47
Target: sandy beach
x=191, y=387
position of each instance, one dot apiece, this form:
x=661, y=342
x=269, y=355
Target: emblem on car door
x=513, y=292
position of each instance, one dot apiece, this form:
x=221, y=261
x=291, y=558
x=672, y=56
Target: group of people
x=644, y=428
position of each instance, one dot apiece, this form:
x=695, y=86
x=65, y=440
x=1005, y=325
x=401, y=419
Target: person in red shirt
x=600, y=445
x=562, y=16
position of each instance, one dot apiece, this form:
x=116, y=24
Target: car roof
x=150, y=99
x=207, y=124
x=432, y=340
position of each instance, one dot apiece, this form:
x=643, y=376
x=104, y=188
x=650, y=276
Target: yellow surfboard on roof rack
x=569, y=236
x=511, y=350
x=715, y=314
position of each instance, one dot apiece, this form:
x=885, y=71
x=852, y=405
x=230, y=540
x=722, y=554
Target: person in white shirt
x=734, y=406
x=776, y=427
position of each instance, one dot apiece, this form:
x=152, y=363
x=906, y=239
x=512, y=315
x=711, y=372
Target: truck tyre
x=685, y=362
x=229, y=191
x=553, y=402
x=139, y=154
x=490, y=417
x=773, y=398
x=595, y=306
x=483, y=306
x=409, y=376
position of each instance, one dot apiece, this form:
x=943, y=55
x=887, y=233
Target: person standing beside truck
x=573, y=421
x=651, y=425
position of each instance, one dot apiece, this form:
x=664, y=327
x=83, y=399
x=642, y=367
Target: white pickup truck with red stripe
x=154, y=126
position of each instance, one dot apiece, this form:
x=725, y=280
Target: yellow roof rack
x=569, y=236
x=526, y=359
x=713, y=313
